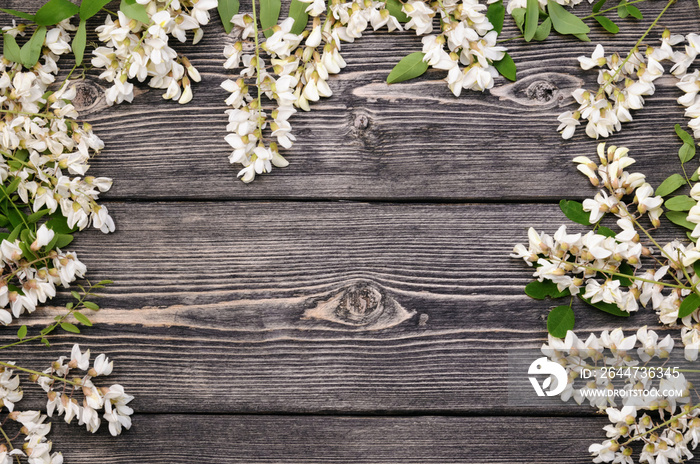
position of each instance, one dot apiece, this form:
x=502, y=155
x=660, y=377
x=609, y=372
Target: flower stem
x=663, y=424
x=9, y=443
x=42, y=374
x=629, y=55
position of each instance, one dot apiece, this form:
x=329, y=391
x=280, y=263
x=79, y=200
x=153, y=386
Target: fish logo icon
x=543, y=366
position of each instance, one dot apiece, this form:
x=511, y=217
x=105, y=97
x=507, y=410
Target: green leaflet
x=394, y=7
x=689, y=305
x=31, y=51
x=297, y=10
x=532, y=16
x=541, y=290
x=89, y=8
x=55, y=11
x=607, y=24
x=506, y=67
x=91, y=306
x=574, y=211
x=22, y=332
x=228, y=8
x=687, y=150
x=68, y=327
x=582, y=37
x=680, y=218
x=269, y=14
x=518, y=15
x=680, y=203
x=78, y=43
x=409, y=67
x=496, y=13
x=19, y=14
x=598, y=5
x=634, y=12
x=602, y=230
x=543, y=30
x=560, y=320
x=135, y=11
x=670, y=185
x=82, y=318
x=11, y=50
x=565, y=22
x=606, y=307
x=622, y=11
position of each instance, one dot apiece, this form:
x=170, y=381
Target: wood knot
x=540, y=90
x=88, y=96
x=363, y=305
x=361, y=122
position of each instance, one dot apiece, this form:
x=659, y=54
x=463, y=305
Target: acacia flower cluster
x=44, y=156
x=111, y=401
x=139, y=49
x=300, y=65
x=656, y=409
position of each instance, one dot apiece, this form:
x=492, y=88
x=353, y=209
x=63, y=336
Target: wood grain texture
x=317, y=307
x=317, y=439
x=410, y=141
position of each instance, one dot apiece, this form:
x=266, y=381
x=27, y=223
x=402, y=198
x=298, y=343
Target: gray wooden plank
x=373, y=141
x=318, y=439
x=244, y=306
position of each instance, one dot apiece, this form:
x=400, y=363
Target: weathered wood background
x=358, y=305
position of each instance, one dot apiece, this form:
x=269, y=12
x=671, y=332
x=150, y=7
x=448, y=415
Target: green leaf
x=409, y=67
x=574, y=211
x=606, y=307
x=532, y=16
x=59, y=224
x=689, y=305
x=518, y=15
x=626, y=269
x=696, y=267
x=540, y=290
x=506, y=67
x=105, y=282
x=622, y=9
x=22, y=332
x=31, y=51
x=634, y=12
x=32, y=218
x=12, y=188
x=565, y=22
x=297, y=10
x=135, y=11
x=69, y=306
x=228, y=8
x=680, y=219
x=496, y=13
x=394, y=7
x=543, y=30
x=79, y=43
x=63, y=240
x=670, y=185
x=91, y=305
x=55, y=11
x=68, y=327
x=680, y=203
x=269, y=14
x=598, y=5
x=4, y=222
x=582, y=37
x=82, y=318
x=686, y=152
x=683, y=135
x=89, y=8
x=15, y=233
x=75, y=295
x=19, y=14
x=45, y=342
x=11, y=51
x=560, y=320
x=607, y=24
x=602, y=230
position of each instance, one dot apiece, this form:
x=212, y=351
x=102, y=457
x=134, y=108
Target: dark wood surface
x=232, y=318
